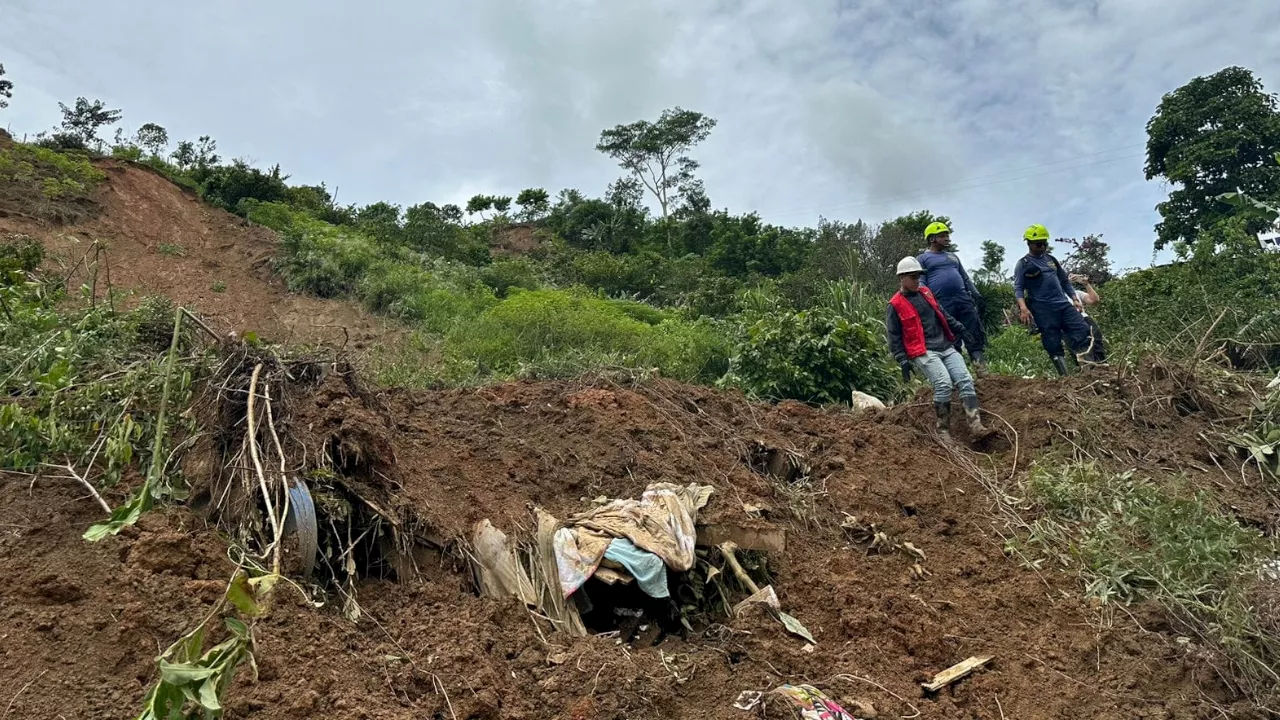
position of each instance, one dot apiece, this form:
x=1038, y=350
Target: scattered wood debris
x=956, y=672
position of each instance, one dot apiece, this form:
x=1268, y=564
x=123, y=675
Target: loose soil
x=83, y=622
x=162, y=240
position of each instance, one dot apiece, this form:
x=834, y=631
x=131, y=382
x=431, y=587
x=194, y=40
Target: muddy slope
x=82, y=623
x=161, y=240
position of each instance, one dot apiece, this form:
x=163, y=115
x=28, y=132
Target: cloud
x=994, y=112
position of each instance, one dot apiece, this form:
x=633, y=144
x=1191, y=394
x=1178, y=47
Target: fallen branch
x=85, y=481
x=257, y=464
x=201, y=324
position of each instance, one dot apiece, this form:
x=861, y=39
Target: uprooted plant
x=89, y=391
x=193, y=681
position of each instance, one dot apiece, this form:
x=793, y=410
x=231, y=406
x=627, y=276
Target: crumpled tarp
x=648, y=569
x=813, y=704
x=501, y=574
x=660, y=522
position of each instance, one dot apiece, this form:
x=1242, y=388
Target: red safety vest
x=912, y=328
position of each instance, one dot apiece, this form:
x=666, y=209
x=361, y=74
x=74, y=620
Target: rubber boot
x=979, y=362
x=1060, y=365
x=943, y=412
x=973, y=417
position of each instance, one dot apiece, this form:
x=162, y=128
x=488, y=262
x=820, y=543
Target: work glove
x=906, y=371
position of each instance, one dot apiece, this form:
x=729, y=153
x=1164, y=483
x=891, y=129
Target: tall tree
x=6, y=89
x=657, y=153
x=152, y=137
x=533, y=203
x=992, y=269
x=1088, y=257
x=914, y=224
x=86, y=118
x=1212, y=136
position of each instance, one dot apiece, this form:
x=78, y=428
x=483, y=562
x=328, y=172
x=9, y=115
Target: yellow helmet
x=1036, y=233
x=936, y=228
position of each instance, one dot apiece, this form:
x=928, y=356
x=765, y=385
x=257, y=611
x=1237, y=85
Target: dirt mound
x=515, y=239
x=83, y=622
x=161, y=240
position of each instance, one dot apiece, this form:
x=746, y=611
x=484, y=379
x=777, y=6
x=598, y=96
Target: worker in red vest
x=922, y=337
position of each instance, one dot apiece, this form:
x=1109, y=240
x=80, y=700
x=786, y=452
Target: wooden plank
x=769, y=539
x=955, y=672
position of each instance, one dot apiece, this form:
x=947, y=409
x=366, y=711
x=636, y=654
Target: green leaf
x=126, y=514
x=795, y=627
x=183, y=673
x=209, y=697
x=240, y=594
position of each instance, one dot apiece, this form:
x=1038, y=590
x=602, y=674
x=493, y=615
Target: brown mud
x=83, y=622
x=162, y=240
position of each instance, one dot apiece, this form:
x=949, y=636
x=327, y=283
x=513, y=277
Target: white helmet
x=909, y=265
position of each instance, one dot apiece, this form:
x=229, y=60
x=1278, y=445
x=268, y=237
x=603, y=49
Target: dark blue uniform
x=944, y=275
x=1043, y=284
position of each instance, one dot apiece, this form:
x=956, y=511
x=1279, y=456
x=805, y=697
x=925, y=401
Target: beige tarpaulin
x=660, y=522
x=500, y=572
x=503, y=574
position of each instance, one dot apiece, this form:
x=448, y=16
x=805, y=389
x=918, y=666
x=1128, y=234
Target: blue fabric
x=942, y=370
x=1042, y=280
x=1055, y=322
x=945, y=276
x=648, y=569
x=962, y=309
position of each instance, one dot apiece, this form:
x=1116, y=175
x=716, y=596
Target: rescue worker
x=945, y=276
x=1089, y=297
x=922, y=337
x=1041, y=287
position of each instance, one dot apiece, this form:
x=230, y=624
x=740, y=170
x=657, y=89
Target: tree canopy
x=656, y=153
x=6, y=89
x=86, y=118
x=1214, y=135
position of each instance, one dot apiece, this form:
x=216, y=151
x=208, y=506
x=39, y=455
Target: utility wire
x=959, y=185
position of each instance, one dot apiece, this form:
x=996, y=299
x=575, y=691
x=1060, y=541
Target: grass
x=47, y=184
x=172, y=250
x=1017, y=353
x=1136, y=538
x=219, y=286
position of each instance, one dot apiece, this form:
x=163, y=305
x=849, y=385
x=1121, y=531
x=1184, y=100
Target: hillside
x=161, y=240
x=902, y=556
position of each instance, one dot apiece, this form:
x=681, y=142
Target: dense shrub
x=324, y=260
x=814, y=355
x=227, y=185
x=1230, y=299
x=506, y=273
x=997, y=297
x=556, y=332
x=435, y=295
x=59, y=175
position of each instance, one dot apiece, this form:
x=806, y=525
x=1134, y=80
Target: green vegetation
x=691, y=274
x=46, y=184
x=1138, y=538
x=84, y=386
x=172, y=250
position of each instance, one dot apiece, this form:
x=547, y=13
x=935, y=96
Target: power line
x=965, y=184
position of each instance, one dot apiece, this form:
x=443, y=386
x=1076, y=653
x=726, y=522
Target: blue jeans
x=942, y=370
x=1055, y=321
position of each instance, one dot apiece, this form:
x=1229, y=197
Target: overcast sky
x=997, y=113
